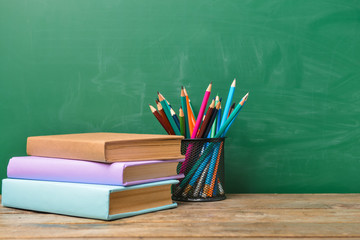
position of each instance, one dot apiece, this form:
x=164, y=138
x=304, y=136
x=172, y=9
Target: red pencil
x=163, y=115
x=159, y=118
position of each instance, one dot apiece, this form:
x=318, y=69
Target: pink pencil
x=202, y=110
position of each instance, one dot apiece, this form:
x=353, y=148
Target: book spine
x=68, y=199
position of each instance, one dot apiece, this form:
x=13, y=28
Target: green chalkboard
x=91, y=65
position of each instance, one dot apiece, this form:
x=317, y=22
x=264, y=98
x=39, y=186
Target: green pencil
x=231, y=117
x=166, y=109
x=182, y=122
x=186, y=118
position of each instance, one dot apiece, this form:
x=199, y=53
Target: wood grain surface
x=248, y=216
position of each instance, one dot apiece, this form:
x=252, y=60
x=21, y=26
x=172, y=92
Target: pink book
x=70, y=170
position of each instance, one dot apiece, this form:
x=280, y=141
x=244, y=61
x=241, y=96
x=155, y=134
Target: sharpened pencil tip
x=182, y=92
x=243, y=100
x=152, y=108
x=161, y=98
x=209, y=87
x=234, y=83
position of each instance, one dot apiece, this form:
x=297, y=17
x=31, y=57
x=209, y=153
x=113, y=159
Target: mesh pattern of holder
x=204, y=171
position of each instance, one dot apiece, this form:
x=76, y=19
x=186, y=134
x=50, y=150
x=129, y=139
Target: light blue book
x=106, y=202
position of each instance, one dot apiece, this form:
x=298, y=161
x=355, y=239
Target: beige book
x=106, y=147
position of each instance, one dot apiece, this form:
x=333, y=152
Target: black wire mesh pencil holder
x=204, y=171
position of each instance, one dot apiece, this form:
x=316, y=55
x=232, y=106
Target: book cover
x=70, y=170
x=104, y=202
x=106, y=147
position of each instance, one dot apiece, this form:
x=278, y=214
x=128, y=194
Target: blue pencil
x=175, y=117
x=228, y=102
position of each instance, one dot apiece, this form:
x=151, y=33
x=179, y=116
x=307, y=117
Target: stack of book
x=95, y=175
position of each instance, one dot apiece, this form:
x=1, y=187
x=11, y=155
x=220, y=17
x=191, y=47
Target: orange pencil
x=191, y=116
x=208, y=189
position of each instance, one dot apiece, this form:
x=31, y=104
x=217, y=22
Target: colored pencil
x=164, y=117
x=166, y=109
x=231, y=109
x=228, y=127
x=190, y=111
x=208, y=150
x=213, y=127
x=212, y=145
x=175, y=117
x=197, y=174
x=214, y=159
x=228, y=102
x=182, y=122
x=212, y=181
x=159, y=118
x=218, y=120
x=184, y=107
x=221, y=189
x=231, y=117
x=206, y=120
x=201, y=181
x=212, y=119
x=201, y=111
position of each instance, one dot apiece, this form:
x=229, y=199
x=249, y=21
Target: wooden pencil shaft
x=201, y=181
x=208, y=150
x=186, y=116
x=159, y=118
x=176, y=119
x=212, y=164
x=182, y=122
x=211, y=121
x=242, y=103
x=190, y=111
x=231, y=117
x=216, y=167
x=231, y=109
x=228, y=102
x=204, y=125
x=164, y=117
x=166, y=109
x=202, y=109
x=199, y=170
x=218, y=121
x=213, y=127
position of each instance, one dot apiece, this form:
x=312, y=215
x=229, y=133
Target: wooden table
x=249, y=216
